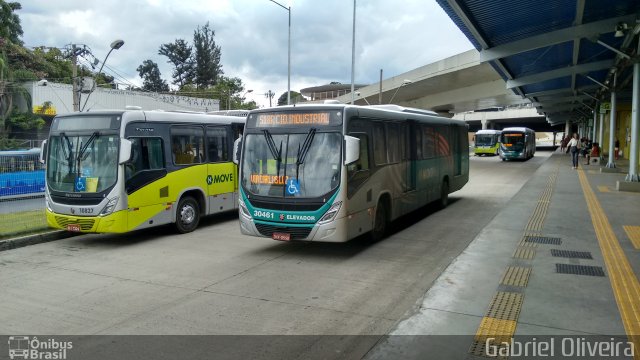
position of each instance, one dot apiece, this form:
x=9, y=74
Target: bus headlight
x=331, y=214
x=243, y=209
x=111, y=205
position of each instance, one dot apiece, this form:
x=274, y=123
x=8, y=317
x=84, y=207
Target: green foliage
x=10, y=27
x=180, y=55
x=296, y=97
x=24, y=121
x=150, y=73
x=207, y=57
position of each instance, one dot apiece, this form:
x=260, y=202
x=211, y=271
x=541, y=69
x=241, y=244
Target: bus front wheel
x=380, y=222
x=188, y=215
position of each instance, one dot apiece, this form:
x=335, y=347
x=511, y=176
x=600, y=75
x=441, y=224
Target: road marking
x=623, y=280
x=633, y=232
x=603, y=188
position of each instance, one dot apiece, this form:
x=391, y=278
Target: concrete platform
x=514, y=282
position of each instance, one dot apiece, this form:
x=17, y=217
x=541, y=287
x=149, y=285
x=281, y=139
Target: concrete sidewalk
x=562, y=258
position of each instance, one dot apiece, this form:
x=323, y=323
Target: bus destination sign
x=298, y=119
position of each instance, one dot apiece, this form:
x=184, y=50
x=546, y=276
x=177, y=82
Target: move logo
x=24, y=347
x=219, y=178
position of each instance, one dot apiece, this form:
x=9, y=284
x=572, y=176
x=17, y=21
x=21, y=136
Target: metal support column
x=612, y=125
x=635, y=108
x=595, y=122
x=567, y=129
x=601, y=132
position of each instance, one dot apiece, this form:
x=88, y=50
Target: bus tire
x=380, y=222
x=187, y=215
x=444, y=194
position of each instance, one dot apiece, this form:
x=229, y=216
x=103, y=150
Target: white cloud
x=396, y=36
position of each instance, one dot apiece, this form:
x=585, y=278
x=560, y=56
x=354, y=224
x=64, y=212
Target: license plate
x=281, y=236
x=73, y=227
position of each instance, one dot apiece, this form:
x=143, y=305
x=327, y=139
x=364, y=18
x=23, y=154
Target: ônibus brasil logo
x=25, y=347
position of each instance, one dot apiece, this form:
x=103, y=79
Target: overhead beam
x=560, y=100
x=557, y=73
x=561, y=107
x=554, y=37
x=561, y=91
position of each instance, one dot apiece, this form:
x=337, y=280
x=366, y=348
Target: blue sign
x=81, y=184
x=293, y=187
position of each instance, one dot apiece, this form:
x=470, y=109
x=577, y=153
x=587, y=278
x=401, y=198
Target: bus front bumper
x=113, y=223
x=334, y=231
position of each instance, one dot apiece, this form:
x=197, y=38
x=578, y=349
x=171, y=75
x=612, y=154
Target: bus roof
x=393, y=112
x=164, y=116
x=488, y=132
x=517, y=129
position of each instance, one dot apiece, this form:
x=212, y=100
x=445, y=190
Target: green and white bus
x=334, y=172
x=118, y=171
x=517, y=143
x=486, y=142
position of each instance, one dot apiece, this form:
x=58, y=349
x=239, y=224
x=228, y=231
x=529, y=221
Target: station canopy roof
x=563, y=55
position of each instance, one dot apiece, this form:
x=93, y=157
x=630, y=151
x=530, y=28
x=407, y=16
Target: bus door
x=222, y=173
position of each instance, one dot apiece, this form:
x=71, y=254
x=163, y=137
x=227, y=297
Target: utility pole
x=380, y=92
x=270, y=94
x=74, y=64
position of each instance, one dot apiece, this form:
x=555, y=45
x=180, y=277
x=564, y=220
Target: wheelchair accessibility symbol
x=293, y=187
x=81, y=184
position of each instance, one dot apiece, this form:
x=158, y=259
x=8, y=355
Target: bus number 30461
x=263, y=214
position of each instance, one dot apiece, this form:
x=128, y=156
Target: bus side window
x=187, y=144
x=217, y=146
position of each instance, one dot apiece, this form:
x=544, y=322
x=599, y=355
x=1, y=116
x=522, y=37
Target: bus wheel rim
x=187, y=214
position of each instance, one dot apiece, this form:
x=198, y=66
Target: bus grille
x=85, y=224
x=297, y=233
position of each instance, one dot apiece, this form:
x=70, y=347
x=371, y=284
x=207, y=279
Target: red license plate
x=281, y=236
x=73, y=227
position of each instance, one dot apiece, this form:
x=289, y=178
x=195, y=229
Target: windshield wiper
x=276, y=153
x=302, y=151
x=67, y=153
x=82, y=149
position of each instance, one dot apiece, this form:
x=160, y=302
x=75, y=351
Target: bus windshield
x=304, y=165
x=513, y=141
x=82, y=163
x=485, y=140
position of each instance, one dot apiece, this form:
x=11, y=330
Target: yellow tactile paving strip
x=501, y=318
x=623, y=280
x=633, y=232
x=516, y=276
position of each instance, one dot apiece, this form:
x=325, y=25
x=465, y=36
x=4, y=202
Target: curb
x=27, y=240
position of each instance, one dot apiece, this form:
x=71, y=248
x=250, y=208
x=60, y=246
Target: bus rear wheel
x=444, y=194
x=188, y=215
x=380, y=222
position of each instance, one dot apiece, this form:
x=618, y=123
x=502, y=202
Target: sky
x=395, y=36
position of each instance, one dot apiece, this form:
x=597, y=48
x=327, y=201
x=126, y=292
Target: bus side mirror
x=43, y=152
x=125, y=151
x=237, y=147
x=351, y=149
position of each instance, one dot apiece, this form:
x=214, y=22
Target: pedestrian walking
x=616, y=148
x=574, y=149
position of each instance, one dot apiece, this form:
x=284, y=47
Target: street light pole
x=289, y=52
x=115, y=45
x=353, y=54
x=404, y=82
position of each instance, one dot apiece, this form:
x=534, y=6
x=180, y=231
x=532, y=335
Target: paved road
x=22, y=204
x=216, y=281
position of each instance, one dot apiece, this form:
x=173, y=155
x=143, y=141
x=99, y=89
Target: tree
x=180, y=55
x=151, y=80
x=10, y=27
x=207, y=57
x=296, y=97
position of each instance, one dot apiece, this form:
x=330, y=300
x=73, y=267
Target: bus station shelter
x=575, y=60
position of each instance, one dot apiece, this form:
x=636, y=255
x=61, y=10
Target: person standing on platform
x=574, y=148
